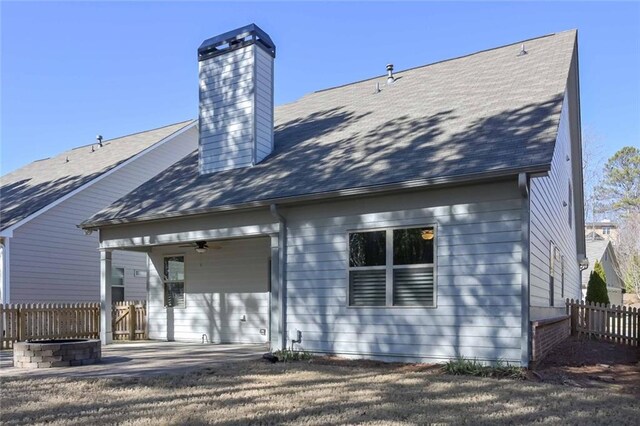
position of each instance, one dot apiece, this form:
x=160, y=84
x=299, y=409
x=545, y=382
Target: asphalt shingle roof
x=488, y=112
x=38, y=184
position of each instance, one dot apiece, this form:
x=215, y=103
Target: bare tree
x=628, y=251
x=592, y=161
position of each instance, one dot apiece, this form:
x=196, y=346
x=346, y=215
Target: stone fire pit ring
x=56, y=353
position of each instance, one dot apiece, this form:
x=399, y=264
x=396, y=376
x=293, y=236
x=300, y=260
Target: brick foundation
x=56, y=354
x=547, y=333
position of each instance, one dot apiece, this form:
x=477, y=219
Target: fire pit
x=56, y=353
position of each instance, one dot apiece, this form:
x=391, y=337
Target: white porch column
x=106, y=334
x=275, y=326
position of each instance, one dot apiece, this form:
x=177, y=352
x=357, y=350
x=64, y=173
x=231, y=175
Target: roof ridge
x=126, y=136
x=444, y=60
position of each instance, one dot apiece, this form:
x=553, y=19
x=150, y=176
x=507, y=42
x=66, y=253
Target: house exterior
x=605, y=229
x=418, y=216
x=45, y=257
x=601, y=249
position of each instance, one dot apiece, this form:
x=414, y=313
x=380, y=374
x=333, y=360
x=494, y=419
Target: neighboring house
x=601, y=250
x=605, y=229
x=46, y=258
x=421, y=215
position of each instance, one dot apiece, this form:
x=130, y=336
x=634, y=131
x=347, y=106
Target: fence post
x=574, y=318
x=132, y=321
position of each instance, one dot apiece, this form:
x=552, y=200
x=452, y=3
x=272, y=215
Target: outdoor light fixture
x=427, y=234
x=201, y=247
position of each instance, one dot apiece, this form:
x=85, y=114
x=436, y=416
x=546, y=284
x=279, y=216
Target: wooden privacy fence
x=619, y=324
x=19, y=322
x=129, y=320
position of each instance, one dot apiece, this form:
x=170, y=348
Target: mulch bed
x=591, y=363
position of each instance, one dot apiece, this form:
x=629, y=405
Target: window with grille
x=174, y=282
x=392, y=267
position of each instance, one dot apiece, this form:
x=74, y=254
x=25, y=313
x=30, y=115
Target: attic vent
x=390, y=77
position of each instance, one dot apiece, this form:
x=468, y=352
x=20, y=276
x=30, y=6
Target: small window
x=606, y=230
x=570, y=206
x=562, y=276
x=552, y=272
x=117, y=285
x=393, y=267
x=174, y=282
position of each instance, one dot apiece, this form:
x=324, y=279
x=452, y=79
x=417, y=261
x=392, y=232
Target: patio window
x=392, y=267
x=174, y=282
x=117, y=285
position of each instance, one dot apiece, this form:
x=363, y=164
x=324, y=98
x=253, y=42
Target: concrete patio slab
x=143, y=359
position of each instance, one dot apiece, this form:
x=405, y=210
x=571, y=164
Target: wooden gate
x=618, y=324
x=129, y=320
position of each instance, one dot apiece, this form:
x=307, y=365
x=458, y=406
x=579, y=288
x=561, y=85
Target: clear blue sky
x=73, y=70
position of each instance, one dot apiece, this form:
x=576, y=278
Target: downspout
x=5, y=279
x=282, y=266
x=525, y=337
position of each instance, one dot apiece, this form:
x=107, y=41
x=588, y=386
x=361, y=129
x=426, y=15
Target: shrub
x=289, y=355
x=597, y=286
x=471, y=367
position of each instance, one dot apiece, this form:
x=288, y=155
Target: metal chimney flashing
x=236, y=39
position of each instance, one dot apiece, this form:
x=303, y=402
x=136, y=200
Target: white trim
x=8, y=232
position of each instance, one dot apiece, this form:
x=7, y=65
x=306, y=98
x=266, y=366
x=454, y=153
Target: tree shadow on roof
x=339, y=149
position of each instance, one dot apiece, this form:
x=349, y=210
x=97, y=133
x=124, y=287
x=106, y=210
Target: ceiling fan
x=201, y=246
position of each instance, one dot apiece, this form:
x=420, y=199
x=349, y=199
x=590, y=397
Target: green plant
x=289, y=355
x=597, y=287
x=472, y=367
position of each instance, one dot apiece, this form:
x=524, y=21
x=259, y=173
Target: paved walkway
x=144, y=358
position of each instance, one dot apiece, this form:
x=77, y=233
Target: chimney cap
x=236, y=39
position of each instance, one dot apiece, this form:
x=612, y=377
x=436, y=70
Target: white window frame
x=389, y=266
x=184, y=281
x=123, y=286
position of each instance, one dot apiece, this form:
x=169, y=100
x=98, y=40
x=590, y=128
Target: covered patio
x=210, y=279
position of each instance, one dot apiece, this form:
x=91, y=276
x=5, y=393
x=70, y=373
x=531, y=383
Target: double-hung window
x=117, y=285
x=173, y=279
x=392, y=267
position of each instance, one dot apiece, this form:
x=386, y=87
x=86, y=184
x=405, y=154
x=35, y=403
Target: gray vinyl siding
x=221, y=286
x=549, y=222
x=54, y=261
x=264, y=104
x=478, y=276
x=227, y=110
x=236, y=109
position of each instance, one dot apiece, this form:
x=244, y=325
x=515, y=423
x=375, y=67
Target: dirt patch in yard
x=590, y=363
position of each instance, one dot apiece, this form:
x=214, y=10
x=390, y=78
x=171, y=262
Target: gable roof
x=596, y=249
x=35, y=186
x=490, y=113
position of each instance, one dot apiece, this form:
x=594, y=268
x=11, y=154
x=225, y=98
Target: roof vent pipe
x=523, y=51
x=390, y=78
x=99, y=138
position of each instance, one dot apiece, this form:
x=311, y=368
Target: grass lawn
x=315, y=392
